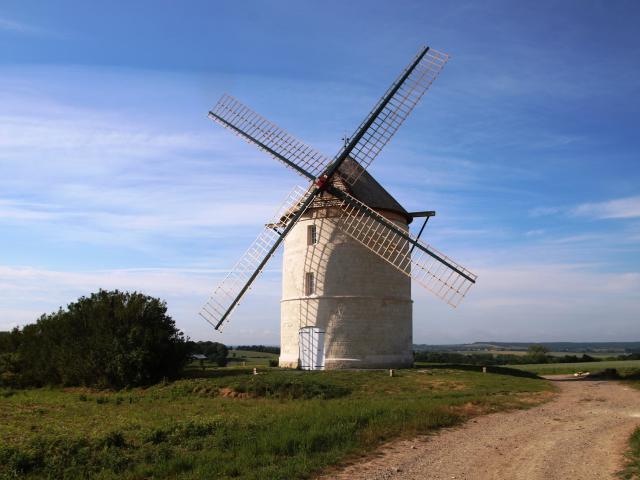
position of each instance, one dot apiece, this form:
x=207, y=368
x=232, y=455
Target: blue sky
x=527, y=147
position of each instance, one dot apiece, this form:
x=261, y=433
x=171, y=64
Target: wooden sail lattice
x=226, y=295
x=433, y=270
x=268, y=137
x=394, y=113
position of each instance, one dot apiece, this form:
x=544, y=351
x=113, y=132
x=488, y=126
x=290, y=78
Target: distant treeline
x=510, y=359
x=259, y=348
x=565, y=347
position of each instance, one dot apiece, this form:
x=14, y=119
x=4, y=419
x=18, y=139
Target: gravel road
x=581, y=434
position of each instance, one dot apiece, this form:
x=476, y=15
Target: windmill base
x=357, y=304
x=384, y=361
x=367, y=333
x=376, y=362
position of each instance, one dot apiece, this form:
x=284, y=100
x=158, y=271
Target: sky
x=111, y=175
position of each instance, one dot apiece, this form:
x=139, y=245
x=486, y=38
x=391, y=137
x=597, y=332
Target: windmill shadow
x=313, y=311
x=343, y=305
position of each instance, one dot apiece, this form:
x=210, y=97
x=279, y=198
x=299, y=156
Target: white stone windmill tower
x=349, y=257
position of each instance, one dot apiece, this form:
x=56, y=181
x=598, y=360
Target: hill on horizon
x=569, y=347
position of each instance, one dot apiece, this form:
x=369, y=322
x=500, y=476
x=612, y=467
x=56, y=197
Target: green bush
x=110, y=339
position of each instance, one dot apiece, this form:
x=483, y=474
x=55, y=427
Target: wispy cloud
x=528, y=301
x=535, y=301
x=628, y=207
x=97, y=175
x=28, y=292
x=20, y=27
x=31, y=132
x=90, y=171
x=545, y=211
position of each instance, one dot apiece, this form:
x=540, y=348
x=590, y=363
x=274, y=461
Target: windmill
x=348, y=254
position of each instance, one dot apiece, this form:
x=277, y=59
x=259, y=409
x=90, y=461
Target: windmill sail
x=268, y=137
x=393, y=108
x=228, y=293
x=436, y=272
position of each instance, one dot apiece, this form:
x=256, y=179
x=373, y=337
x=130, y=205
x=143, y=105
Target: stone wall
x=361, y=302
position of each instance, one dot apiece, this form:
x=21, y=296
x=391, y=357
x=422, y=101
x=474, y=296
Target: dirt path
x=581, y=434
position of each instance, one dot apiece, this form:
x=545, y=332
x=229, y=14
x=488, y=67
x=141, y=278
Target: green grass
x=623, y=366
x=525, y=352
x=250, y=359
x=231, y=424
x=236, y=358
x=632, y=467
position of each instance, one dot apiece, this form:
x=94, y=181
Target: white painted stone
x=362, y=302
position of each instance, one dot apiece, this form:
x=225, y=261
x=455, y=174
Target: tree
x=537, y=349
x=260, y=348
x=110, y=339
x=9, y=360
x=215, y=351
x=538, y=353
x=219, y=354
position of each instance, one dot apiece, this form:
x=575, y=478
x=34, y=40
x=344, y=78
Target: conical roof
x=366, y=189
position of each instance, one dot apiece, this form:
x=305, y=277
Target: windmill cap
x=368, y=190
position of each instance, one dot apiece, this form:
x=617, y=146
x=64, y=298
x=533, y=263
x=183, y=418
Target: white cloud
x=86, y=133
x=28, y=292
x=106, y=175
x=19, y=27
x=628, y=207
x=172, y=215
x=101, y=176
x=535, y=302
x=526, y=301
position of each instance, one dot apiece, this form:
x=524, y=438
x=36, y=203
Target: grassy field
x=522, y=353
x=623, y=366
x=278, y=424
x=237, y=358
x=251, y=359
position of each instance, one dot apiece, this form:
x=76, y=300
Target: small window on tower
x=312, y=235
x=309, y=284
